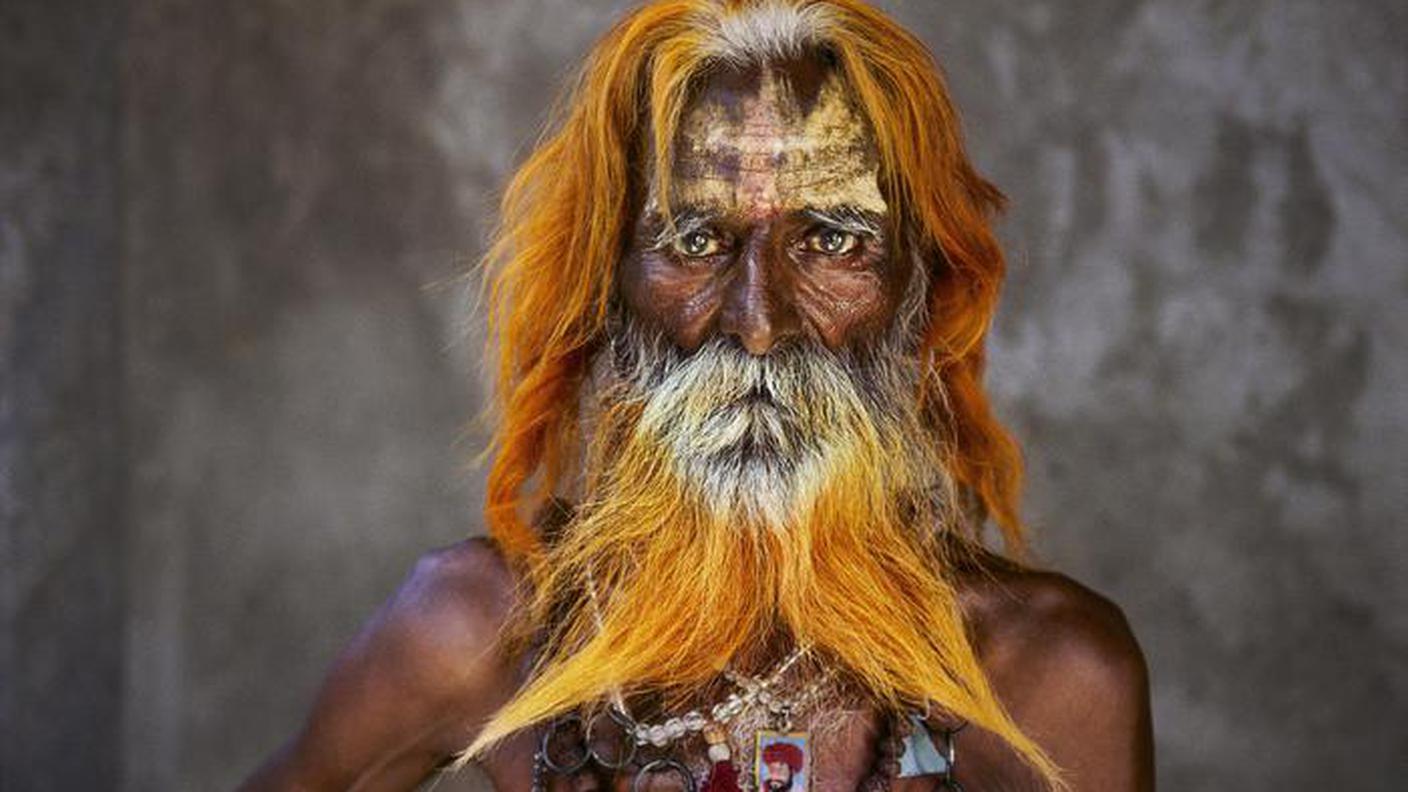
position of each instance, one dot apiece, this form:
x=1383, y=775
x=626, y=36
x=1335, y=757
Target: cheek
x=680, y=302
x=846, y=307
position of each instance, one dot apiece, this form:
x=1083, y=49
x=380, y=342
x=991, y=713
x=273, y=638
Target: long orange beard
x=730, y=499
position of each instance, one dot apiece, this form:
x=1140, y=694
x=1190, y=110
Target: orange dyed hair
x=564, y=219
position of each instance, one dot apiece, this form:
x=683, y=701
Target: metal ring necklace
x=664, y=765
x=627, y=752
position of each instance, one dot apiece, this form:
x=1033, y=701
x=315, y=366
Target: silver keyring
x=628, y=753
x=660, y=765
x=553, y=727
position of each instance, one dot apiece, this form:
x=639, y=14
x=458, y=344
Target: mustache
x=757, y=435
x=729, y=398
x=788, y=378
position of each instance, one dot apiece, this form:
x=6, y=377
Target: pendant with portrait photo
x=782, y=761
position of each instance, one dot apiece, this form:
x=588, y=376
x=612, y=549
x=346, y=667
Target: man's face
x=779, y=776
x=761, y=330
x=780, y=227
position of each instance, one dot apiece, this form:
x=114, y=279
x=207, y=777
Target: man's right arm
x=414, y=686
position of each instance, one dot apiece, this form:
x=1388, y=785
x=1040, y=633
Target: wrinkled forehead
x=775, y=138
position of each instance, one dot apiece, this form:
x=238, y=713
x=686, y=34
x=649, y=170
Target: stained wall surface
x=61, y=465
x=1200, y=345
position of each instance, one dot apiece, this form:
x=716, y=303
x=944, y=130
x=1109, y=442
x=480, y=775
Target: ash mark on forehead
x=719, y=164
x=776, y=137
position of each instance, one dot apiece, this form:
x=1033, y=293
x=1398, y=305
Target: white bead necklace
x=754, y=695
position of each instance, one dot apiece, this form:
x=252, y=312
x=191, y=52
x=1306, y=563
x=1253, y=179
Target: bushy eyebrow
x=683, y=221
x=848, y=218
x=689, y=219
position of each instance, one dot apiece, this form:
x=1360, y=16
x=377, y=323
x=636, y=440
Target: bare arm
x=413, y=687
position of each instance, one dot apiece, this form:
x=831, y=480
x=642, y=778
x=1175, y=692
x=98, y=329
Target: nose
x=757, y=309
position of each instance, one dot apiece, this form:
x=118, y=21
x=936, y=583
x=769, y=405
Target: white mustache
x=722, y=398
x=759, y=436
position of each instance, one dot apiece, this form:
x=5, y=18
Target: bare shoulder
x=1066, y=663
x=455, y=597
x=414, y=684
x=442, y=630
x=1032, y=619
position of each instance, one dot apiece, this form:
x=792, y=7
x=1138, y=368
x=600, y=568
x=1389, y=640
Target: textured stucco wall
x=297, y=403
x=1201, y=346
x=61, y=479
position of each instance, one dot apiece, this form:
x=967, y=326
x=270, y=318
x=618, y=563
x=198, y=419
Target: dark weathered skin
x=418, y=681
x=756, y=156
x=760, y=156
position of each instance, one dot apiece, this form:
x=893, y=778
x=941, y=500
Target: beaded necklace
x=643, y=745
x=896, y=745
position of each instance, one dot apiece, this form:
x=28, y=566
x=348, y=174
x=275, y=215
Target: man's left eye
x=832, y=242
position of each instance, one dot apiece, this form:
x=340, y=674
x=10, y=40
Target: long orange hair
x=550, y=275
x=551, y=267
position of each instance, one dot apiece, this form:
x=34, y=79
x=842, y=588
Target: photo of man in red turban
x=781, y=761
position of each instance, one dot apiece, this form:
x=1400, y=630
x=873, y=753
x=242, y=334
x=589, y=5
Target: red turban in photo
x=783, y=752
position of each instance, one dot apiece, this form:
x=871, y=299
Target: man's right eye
x=697, y=244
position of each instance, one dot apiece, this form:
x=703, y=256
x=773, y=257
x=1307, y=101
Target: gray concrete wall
x=1200, y=345
x=298, y=399
x=1203, y=348
x=61, y=473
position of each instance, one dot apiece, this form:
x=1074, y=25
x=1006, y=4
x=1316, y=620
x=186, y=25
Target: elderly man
x=739, y=303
